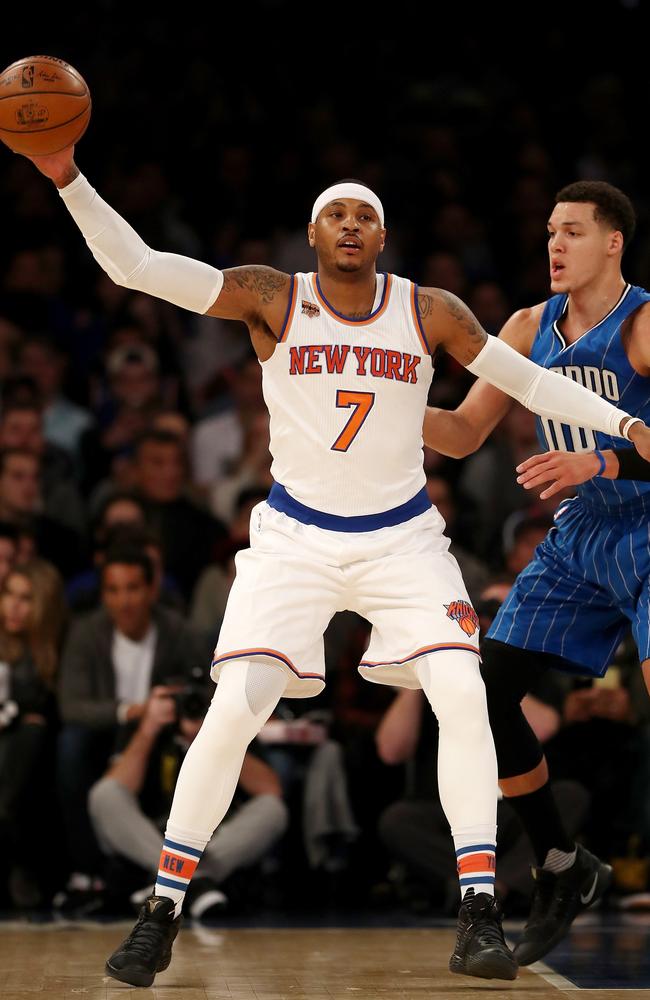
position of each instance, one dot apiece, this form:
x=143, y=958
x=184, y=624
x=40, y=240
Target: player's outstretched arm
x=246, y=294
x=453, y=326
x=462, y=431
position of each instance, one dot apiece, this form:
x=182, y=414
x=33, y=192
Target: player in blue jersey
x=590, y=578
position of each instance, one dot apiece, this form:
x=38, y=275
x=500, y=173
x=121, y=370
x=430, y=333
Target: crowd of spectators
x=134, y=445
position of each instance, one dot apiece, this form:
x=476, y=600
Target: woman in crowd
x=32, y=617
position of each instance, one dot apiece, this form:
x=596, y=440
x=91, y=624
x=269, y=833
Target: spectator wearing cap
x=133, y=397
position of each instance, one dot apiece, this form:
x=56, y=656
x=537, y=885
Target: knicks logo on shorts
x=463, y=613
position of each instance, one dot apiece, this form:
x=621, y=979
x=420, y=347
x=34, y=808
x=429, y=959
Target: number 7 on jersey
x=363, y=403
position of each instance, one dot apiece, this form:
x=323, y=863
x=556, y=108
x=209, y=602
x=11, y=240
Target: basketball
x=44, y=105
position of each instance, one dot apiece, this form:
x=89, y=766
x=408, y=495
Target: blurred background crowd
x=134, y=445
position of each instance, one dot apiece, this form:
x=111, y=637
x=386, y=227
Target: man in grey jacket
x=111, y=660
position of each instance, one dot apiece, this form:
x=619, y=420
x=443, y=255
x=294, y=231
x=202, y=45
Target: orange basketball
x=44, y=105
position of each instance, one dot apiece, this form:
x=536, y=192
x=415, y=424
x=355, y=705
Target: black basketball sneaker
x=148, y=948
x=557, y=900
x=481, y=949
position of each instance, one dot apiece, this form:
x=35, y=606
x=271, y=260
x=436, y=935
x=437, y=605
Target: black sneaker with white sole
x=557, y=901
x=481, y=949
x=148, y=948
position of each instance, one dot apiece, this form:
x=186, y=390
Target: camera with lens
x=192, y=701
x=192, y=695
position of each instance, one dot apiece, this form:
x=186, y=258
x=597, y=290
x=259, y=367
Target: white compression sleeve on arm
x=128, y=260
x=544, y=392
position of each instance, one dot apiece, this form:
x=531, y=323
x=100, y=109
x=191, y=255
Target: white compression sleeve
x=544, y=392
x=128, y=260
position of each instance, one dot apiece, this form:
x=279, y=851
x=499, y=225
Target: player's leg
x=246, y=695
x=467, y=782
x=425, y=634
x=568, y=878
x=270, y=644
x=562, y=611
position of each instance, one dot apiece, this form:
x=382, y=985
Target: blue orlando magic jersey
x=598, y=361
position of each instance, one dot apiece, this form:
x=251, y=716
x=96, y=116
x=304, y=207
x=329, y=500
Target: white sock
x=467, y=766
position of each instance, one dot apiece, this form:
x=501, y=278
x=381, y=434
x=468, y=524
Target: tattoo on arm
x=436, y=305
x=265, y=282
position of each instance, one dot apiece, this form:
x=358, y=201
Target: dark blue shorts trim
x=280, y=500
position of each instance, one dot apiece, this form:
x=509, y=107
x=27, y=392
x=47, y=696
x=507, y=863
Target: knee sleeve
x=246, y=694
x=508, y=673
x=452, y=683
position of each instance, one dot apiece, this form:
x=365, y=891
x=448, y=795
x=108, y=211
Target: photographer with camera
x=129, y=805
x=111, y=660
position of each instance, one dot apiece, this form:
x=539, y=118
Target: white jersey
x=347, y=399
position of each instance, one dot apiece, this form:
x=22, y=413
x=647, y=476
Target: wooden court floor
x=66, y=961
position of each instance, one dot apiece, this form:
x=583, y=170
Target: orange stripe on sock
x=476, y=863
x=174, y=864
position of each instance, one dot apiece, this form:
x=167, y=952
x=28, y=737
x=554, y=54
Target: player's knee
x=453, y=685
x=507, y=672
x=246, y=695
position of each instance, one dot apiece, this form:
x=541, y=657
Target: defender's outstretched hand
x=560, y=468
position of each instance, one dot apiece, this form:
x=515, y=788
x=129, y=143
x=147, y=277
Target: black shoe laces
x=489, y=929
x=485, y=924
x=146, y=936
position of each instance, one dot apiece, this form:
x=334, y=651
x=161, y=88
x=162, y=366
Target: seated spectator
x=133, y=396
x=188, y=533
x=21, y=427
x=84, y=591
x=218, y=441
x=20, y=505
x=32, y=617
x=111, y=660
x=130, y=804
x=43, y=361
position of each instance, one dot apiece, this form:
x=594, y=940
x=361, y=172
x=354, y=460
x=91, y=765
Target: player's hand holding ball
x=44, y=110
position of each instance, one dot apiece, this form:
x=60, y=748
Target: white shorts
x=296, y=576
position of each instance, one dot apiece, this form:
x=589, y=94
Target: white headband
x=358, y=191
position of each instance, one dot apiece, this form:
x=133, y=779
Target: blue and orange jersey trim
x=291, y=308
x=239, y=654
x=379, y=311
x=421, y=652
x=417, y=318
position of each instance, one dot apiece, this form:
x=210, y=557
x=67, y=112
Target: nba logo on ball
x=27, y=79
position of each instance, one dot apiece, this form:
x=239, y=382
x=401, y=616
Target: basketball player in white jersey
x=346, y=359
